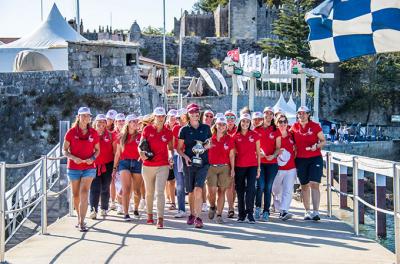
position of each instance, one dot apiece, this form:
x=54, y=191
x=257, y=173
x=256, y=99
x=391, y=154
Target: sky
x=20, y=17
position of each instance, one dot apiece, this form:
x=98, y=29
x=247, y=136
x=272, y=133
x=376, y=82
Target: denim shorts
x=74, y=175
x=131, y=165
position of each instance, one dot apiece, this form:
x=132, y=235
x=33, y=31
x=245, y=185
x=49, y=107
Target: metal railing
x=18, y=203
x=382, y=168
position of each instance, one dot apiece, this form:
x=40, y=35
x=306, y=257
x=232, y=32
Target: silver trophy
x=198, y=149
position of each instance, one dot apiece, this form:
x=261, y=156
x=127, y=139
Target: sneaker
x=316, y=216
x=265, y=217
x=250, y=219
x=211, y=212
x=93, y=215
x=190, y=220
x=285, y=216
x=198, y=223
x=240, y=219
x=103, y=212
x=308, y=215
x=219, y=220
x=120, y=211
x=204, y=207
x=180, y=214
x=160, y=223
x=136, y=214
x=257, y=213
x=113, y=206
x=142, y=204
x=127, y=218
x=150, y=220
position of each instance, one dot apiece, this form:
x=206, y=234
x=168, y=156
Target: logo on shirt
x=251, y=139
x=271, y=135
x=90, y=138
x=291, y=141
x=76, y=137
x=163, y=138
x=226, y=147
x=137, y=140
x=106, y=139
x=239, y=140
x=151, y=135
x=309, y=132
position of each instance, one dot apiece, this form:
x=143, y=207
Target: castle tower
x=243, y=16
x=135, y=32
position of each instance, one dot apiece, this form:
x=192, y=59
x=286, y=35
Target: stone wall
x=243, y=19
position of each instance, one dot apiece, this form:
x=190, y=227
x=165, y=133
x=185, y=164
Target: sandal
x=172, y=206
x=83, y=228
x=231, y=214
x=78, y=225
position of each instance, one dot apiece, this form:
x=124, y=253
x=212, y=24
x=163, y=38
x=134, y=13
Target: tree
x=155, y=31
x=291, y=33
x=209, y=5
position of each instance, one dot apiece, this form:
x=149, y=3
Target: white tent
x=291, y=103
x=49, y=39
x=1, y=43
x=283, y=106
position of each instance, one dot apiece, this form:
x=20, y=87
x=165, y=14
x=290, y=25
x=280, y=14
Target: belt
x=218, y=165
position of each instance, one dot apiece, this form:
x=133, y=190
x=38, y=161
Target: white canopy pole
x=303, y=89
x=180, y=64
x=234, y=93
x=316, y=99
x=251, y=93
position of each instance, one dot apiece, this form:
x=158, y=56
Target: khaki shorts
x=219, y=176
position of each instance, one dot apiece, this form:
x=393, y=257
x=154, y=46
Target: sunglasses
x=209, y=116
x=282, y=122
x=230, y=117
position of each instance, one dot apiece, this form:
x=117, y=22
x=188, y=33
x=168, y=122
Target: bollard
x=2, y=211
x=380, y=201
x=343, y=185
x=396, y=201
x=355, y=193
x=43, y=215
x=328, y=183
x=361, y=207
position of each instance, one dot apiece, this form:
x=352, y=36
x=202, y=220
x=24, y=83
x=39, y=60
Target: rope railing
x=57, y=194
x=373, y=166
x=17, y=210
x=23, y=165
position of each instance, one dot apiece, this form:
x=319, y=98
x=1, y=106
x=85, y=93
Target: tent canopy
x=29, y=60
x=53, y=32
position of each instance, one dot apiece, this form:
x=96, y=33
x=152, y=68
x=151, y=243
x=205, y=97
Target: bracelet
x=93, y=157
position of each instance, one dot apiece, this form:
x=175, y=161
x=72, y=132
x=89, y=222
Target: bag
x=145, y=147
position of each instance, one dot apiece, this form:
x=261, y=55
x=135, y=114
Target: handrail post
x=2, y=211
x=328, y=183
x=396, y=207
x=43, y=215
x=355, y=193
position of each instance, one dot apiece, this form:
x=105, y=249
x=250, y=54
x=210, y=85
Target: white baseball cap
x=159, y=111
x=230, y=112
x=257, y=115
x=84, y=111
x=279, y=110
x=217, y=115
x=100, y=117
x=303, y=108
x=181, y=112
x=120, y=117
x=131, y=117
x=172, y=112
x=208, y=112
x=221, y=120
x=111, y=114
x=283, y=158
x=245, y=116
x=268, y=109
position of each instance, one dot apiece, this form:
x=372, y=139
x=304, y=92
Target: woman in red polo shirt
x=309, y=140
x=126, y=161
x=110, y=116
x=155, y=170
x=81, y=147
x=221, y=156
x=247, y=167
x=170, y=123
x=283, y=184
x=230, y=191
x=100, y=187
x=269, y=167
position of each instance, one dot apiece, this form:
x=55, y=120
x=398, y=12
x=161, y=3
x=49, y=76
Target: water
x=368, y=229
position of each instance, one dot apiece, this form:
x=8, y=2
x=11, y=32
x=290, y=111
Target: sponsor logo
x=76, y=137
x=137, y=140
x=271, y=135
x=91, y=138
x=226, y=146
x=106, y=139
x=163, y=138
x=251, y=139
x=151, y=135
x=309, y=132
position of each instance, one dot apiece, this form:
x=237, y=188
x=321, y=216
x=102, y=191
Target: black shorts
x=171, y=175
x=309, y=169
x=194, y=176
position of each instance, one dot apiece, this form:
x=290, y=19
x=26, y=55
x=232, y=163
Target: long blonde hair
x=124, y=135
x=76, y=122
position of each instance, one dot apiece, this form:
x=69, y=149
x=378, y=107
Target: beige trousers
x=155, y=179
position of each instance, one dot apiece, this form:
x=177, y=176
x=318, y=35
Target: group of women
x=254, y=158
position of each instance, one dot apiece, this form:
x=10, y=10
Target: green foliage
x=292, y=33
x=204, y=54
x=152, y=31
x=209, y=5
x=173, y=70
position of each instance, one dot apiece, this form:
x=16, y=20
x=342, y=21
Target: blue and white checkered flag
x=344, y=29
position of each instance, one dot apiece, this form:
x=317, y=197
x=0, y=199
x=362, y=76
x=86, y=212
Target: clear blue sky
x=20, y=17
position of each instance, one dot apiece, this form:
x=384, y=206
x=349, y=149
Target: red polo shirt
x=106, y=149
x=267, y=142
x=245, y=146
x=288, y=144
x=158, y=142
x=175, y=133
x=130, y=150
x=81, y=146
x=306, y=137
x=219, y=153
x=232, y=132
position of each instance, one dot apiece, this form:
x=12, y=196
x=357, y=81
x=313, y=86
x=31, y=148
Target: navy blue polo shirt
x=190, y=134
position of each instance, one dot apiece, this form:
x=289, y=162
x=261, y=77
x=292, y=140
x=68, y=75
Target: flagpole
x=180, y=64
x=164, y=60
x=41, y=10
x=78, y=18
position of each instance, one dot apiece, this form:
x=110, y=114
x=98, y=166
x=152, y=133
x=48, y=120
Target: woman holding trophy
x=192, y=147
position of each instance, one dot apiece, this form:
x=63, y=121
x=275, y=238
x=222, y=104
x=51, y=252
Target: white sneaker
x=120, y=211
x=103, y=213
x=93, y=215
x=180, y=214
x=113, y=206
x=204, y=207
x=142, y=204
x=308, y=215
